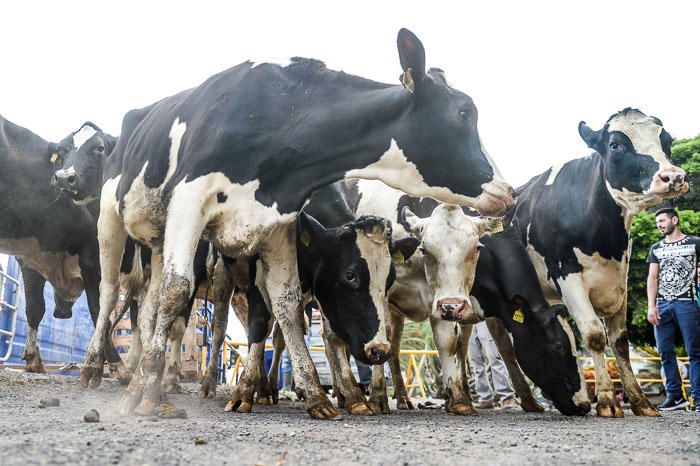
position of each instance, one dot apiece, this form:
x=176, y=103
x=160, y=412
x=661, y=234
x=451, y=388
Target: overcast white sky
x=534, y=69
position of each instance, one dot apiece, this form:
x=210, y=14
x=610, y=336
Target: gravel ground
x=285, y=435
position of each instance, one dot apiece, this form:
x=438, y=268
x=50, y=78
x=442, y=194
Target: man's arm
x=652, y=288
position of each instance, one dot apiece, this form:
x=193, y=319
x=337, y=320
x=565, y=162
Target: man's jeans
x=684, y=315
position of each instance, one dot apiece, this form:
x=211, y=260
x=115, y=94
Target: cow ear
x=402, y=249
x=590, y=137
x=311, y=234
x=110, y=142
x=411, y=221
x=412, y=57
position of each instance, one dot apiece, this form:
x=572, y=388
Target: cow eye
x=351, y=277
x=614, y=146
x=559, y=346
x=100, y=149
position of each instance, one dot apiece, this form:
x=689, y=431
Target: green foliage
x=644, y=234
x=685, y=153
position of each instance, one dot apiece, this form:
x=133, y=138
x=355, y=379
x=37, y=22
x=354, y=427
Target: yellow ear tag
x=398, y=257
x=305, y=238
x=407, y=80
x=54, y=157
x=495, y=226
x=518, y=316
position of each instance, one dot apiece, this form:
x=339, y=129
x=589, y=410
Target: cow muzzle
x=456, y=309
x=496, y=199
x=377, y=353
x=669, y=182
x=65, y=180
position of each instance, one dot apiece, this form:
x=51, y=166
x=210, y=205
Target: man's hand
x=653, y=315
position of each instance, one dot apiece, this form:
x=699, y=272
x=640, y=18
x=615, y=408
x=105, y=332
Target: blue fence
x=60, y=340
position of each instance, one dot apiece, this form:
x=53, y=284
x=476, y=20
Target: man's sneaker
x=484, y=404
x=673, y=403
x=693, y=409
x=509, y=404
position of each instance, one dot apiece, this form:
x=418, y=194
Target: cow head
x=437, y=151
x=546, y=351
x=352, y=270
x=635, y=149
x=79, y=161
x=449, y=244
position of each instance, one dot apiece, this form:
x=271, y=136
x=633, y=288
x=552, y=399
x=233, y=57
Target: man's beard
x=669, y=230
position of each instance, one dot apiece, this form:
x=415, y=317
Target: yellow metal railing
x=414, y=378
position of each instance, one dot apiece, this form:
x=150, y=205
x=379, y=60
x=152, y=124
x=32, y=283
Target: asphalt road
x=285, y=435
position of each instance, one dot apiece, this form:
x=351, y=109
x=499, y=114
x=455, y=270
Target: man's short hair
x=667, y=210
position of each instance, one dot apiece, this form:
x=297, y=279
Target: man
x=482, y=346
x=672, y=295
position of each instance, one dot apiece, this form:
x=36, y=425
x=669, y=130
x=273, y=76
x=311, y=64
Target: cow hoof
x=173, y=387
x=121, y=373
x=170, y=411
x=359, y=408
x=146, y=407
x=379, y=406
x=404, y=404
x=323, y=410
x=608, y=408
x=239, y=406
x=35, y=366
x=642, y=407
x=91, y=375
x=530, y=405
x=461, y=409
x=263, y=400
x=129, y=403
x=275, y=396
x=207, y=389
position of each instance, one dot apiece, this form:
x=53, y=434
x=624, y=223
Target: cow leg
x=112, y=238
x=395, y=323
x=617, y=335
x=505, y=347
x=458, y=398
x=36, y=307
x=173, y=371
x=575, y=296
x=283, y=292
x=183, y=230
x=146, y=325
x=345, y=386
x=90, y=273
x=208, y=387
x=134, y=357
x=273, y=374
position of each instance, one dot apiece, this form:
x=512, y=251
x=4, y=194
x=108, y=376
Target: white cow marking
x=82, y=136
x=177, y=130
x=643, y=132
x=283, y=62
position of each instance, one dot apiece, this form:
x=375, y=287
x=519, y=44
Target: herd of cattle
x=271, y=185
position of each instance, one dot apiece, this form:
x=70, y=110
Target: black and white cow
x=451, y=265
x=576, y=219
x=234, y=160
x=53, y=239
x=345, y=266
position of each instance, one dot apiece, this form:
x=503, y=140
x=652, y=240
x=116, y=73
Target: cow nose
x=672, y=180
x=377, y=353
x=64, y=180
x=450, y=309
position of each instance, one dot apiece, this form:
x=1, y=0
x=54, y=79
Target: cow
x=52, y=238
x=437, y=282
x=575, y=219
x=234, y=160
x=345, y=266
